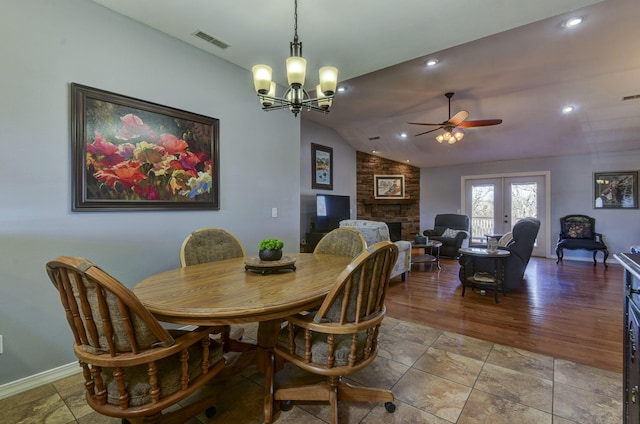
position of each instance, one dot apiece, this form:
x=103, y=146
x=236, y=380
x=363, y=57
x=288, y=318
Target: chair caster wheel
x=210, y=412
x=390, y=407
x=286, y=405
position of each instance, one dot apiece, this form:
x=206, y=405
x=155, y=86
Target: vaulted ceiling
x=512, y=60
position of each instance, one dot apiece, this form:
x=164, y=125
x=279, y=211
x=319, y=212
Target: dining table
x=235, y=291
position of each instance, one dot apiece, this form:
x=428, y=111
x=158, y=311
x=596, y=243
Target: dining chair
x=210, y=245
x=341, y=338
x=133, y=367
x=342, y=242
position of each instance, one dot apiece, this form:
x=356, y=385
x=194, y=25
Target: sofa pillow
x=450, y=233
x=505, y=240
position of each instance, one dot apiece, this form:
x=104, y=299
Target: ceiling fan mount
x=453, y=126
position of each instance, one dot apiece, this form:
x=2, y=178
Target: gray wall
x=344, y=171
x=571, y=192
x=45, y=46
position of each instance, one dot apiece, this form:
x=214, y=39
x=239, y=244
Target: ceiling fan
x=453, y=126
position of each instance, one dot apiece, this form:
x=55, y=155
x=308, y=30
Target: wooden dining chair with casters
x=342, y=242
x=211, y=245
x=133, y=367
x=341, y=338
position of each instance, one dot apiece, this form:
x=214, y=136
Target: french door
x=496, y=203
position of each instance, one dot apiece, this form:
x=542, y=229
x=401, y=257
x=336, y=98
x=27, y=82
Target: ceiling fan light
x=296, y=70
x=262, y=78
x=452, y=140
x=328, y=79
x=440, y=138
x=458, y=134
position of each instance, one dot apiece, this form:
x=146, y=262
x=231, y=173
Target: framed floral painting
x=135, y=155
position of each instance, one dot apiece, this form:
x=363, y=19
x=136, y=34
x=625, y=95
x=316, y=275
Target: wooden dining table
x=224, y=292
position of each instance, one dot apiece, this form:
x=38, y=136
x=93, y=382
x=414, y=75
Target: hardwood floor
x=571, y=311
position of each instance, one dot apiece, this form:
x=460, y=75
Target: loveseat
x=376, y=231
x=452, y=231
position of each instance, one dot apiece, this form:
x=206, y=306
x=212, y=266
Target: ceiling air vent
x=209, y=39
x=374, y=138
x=635, y=96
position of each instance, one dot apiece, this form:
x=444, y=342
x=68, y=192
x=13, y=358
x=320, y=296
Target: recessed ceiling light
x=407, y=161
x=374, y=152
x=431, y=62
x=403, y=135
x=571, y=22
x=567, y=109
x=341, y=89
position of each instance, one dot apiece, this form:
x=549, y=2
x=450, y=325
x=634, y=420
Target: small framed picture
x=321, y=167
x=388, y=186
x=615, y=190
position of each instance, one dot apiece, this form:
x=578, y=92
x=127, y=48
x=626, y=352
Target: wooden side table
x=495, y=282
x=427, y=257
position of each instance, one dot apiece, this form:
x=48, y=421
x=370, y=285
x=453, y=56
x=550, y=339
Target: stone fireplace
x=403, y=214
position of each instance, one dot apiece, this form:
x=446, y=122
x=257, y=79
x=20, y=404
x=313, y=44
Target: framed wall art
x=129, y=154
x=321, y=167
x=615, y=190
x=388, y=186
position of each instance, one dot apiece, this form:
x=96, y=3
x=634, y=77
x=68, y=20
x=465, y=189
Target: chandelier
x=296, y=98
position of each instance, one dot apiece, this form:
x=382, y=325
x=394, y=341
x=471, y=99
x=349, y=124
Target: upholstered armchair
x=578, y=232
x=376, y=231
x=524, y=235
x=452, y=231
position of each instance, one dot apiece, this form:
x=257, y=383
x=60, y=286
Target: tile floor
x=437, y=377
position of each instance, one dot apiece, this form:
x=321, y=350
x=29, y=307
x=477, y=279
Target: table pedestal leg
x=265, y=362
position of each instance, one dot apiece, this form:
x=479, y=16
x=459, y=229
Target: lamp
x=295, y=97
x=450, y=135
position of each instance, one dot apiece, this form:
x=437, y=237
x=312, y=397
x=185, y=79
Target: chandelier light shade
x=295, y=98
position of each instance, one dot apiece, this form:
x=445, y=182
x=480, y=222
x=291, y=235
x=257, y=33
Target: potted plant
x=270, y=249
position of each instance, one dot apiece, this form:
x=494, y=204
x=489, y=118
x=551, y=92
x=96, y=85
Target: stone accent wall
x=406, y=211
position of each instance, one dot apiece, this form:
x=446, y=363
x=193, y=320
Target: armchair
x=524, y=235
x=132, y=366
x=376, y=231
x=452, y=231
x=579, y=232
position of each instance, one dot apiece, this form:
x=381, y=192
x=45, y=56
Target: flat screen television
x=330, y=210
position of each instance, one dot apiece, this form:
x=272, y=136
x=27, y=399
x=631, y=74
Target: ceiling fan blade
x=480, y=123
x=456, y=119
x=427, y=132
x=424, y=123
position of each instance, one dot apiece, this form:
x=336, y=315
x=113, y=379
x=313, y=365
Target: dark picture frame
x=388, y=186
x=130, y=154
x=321, y=167
x=615, y=190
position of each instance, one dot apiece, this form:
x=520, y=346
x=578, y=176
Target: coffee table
x=429, y=258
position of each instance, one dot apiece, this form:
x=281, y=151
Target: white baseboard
x=36, y=380
x=49, y=376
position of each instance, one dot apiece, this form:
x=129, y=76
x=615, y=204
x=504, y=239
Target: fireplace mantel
x=389, y=201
